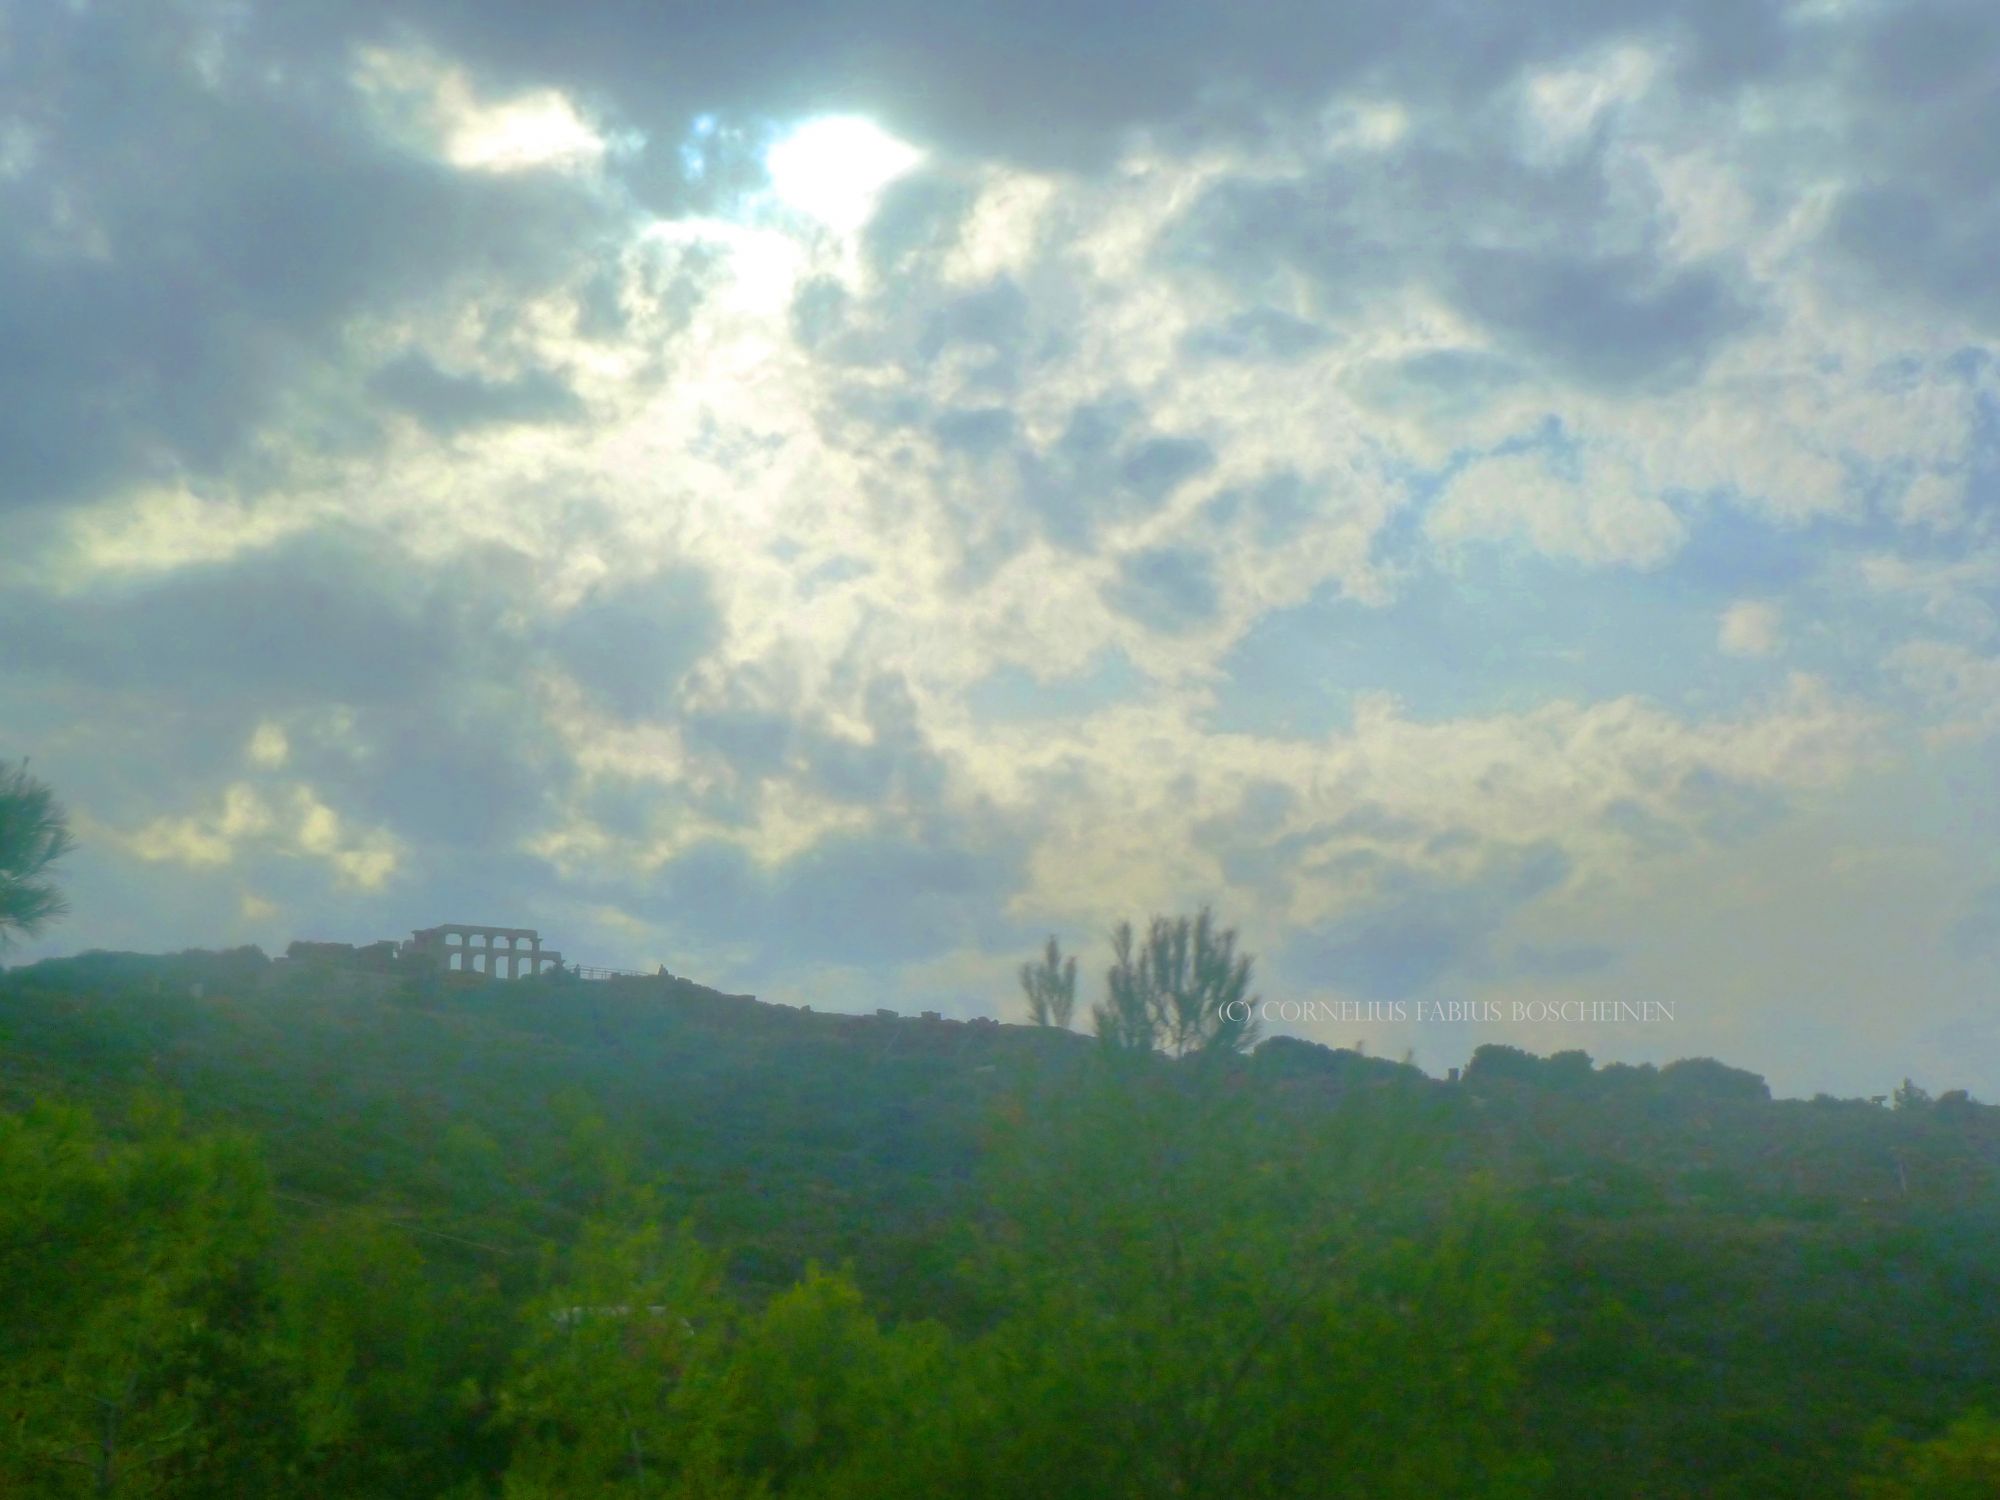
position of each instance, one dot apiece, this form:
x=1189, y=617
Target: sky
x=1500, y=502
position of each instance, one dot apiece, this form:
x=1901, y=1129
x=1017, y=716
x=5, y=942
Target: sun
x=835, y=167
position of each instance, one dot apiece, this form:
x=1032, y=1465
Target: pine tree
x=1186, y=991
x=34, y=834
x=1050, y=987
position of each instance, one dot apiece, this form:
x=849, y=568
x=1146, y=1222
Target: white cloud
x=835, y=168
x=1951, y=593
x=1960, y=687
x=1750, y=627
x=542, y=129
x=437, y=104
x=290, y=822
x=1934, y=500
x=269, y=747
x=1134, y=781
x=1677, y=338
x=151, y=531
x=210, y=840
x=1565, y=104
x=1592, y=513
x=254, y=908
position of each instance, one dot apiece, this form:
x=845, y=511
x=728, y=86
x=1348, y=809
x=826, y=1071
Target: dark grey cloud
x=1925, y=216
x=1923, y=241
x=1155, y=468
x=1248, y=843
x=447, y=403
x=993, y=336
x=1541, y=254
x=1534, y=961
x=1013, y=694
x=500, y=885
x=1040, y=82
x=748, y=736
x=328, y=617
x=1273, y=510
x=473, y=775
x=1373, y=821
x=1251, y=235
x=1168, y=589
x=877, y=899
x=989, y=343
x=869, y=900
x=922, y=878
x=1610, y=320
x=118, y=755
x=186, y=246
x=977, y=431
x=631, y=642
x=996, y=317
x=1262, y=334
x=1702, y=804
x=440, y=739
x=1439, y=383
x=1107, y=466
x=894, y=766
x=1255, y=850
x=206, y=204
x=207, y=237
x=1648, y=830
x=407, y=690
x=1726, y=810
x=1421, y=926
x=819, y=311
x=757, y=742
x=1976, y=933
x=914, y=226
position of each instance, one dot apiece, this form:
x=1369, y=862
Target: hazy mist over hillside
x=1500, y=501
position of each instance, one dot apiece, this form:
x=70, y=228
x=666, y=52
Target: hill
x=1734, y=1295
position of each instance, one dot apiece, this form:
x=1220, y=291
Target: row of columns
x=484, y=950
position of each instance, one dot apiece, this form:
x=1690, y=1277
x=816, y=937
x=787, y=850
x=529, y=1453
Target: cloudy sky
x=1501, y=501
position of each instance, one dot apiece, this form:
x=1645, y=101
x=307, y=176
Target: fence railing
x=588, y=971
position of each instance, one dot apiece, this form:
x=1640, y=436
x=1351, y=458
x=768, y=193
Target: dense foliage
x=34, y=838
x=637, y=1238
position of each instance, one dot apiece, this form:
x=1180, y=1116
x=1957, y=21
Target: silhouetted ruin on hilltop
x=468, y=948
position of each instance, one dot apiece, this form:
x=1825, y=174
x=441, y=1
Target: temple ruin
x=467, y=948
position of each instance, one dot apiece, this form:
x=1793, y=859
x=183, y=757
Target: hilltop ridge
x=1684, y=1213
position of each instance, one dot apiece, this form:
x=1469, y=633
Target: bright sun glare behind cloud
x=835, y=167
x=541, y=129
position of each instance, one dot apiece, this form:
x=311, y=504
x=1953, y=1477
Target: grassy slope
x=1740, y=1286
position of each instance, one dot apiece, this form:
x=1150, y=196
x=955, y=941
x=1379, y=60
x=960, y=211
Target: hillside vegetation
x=284, y=1228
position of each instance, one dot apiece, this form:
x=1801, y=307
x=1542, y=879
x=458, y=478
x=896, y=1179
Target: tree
x=1050, y=987
x=1185, y=991
x=34, y=834
x=597, y=1403
x=640, y=1376
x=133, y=1343
x=817, y=1398
x=368, y=1349
x=1705, y=1079
x=1961, y=1463
x=1206, y=1290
